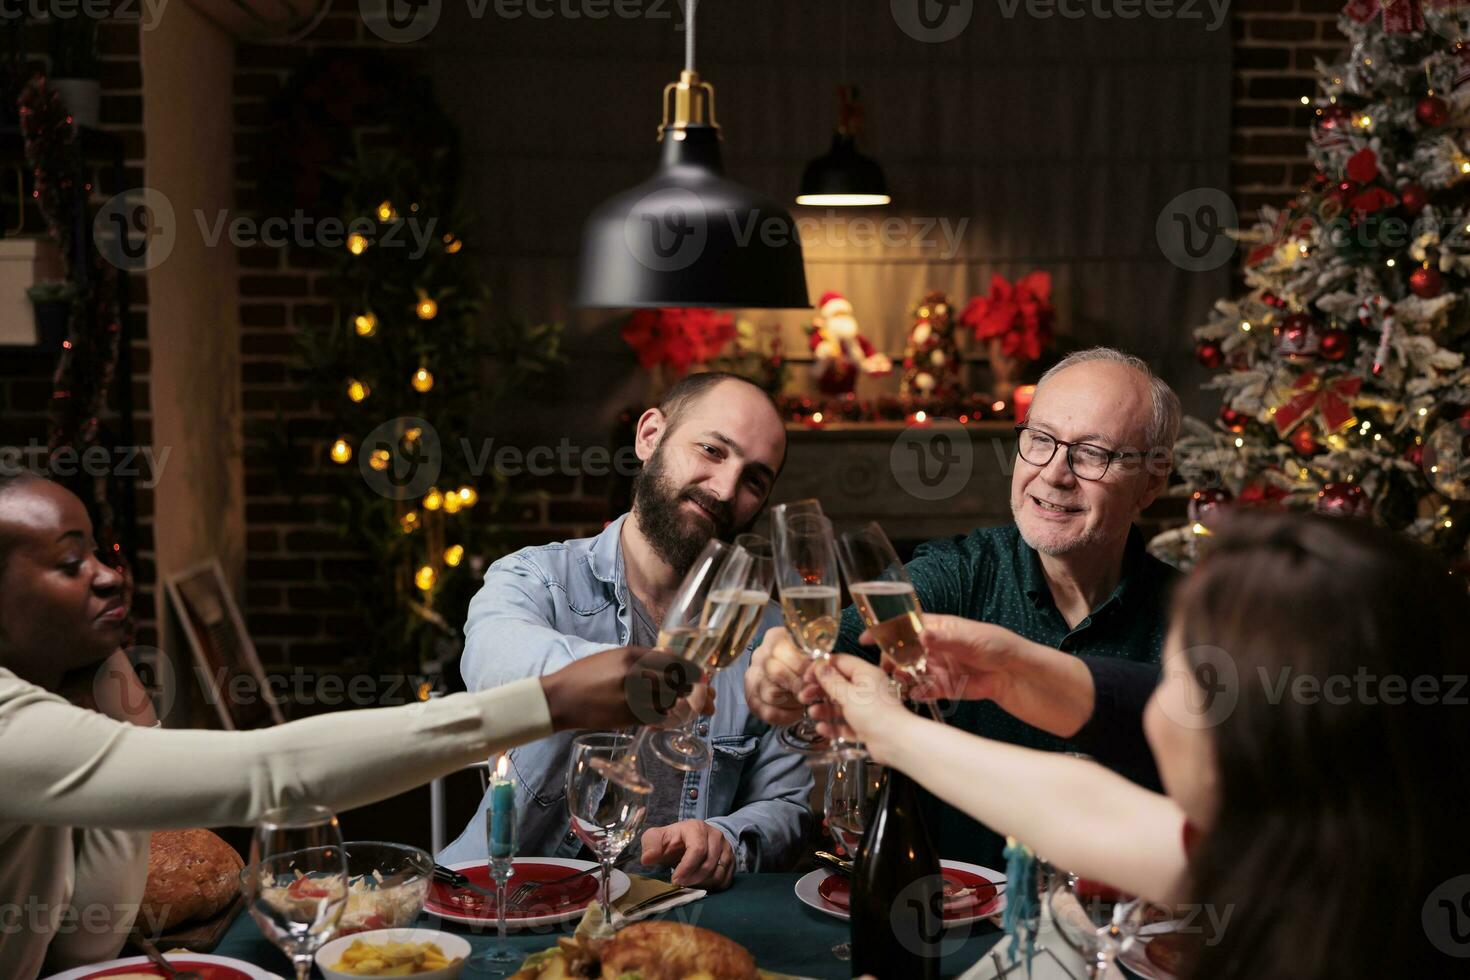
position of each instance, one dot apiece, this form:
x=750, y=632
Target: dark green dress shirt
x=992, y=575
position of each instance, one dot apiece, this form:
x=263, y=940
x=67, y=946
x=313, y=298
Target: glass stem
x=500, y=911
x=604, y=892
x=630, y=758
x=303, y=968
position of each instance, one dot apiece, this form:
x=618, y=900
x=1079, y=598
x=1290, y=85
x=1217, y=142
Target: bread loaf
x=192, y=874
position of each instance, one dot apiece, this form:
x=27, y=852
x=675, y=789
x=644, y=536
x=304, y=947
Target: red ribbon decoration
x=1331, y=398
x=1399, y=16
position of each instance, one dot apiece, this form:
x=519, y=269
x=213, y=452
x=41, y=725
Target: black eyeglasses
x=1086, y=460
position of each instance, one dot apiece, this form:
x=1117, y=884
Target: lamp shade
x=843, y=177
x=688, y=236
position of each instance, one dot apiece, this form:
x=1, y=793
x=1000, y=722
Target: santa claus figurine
x=839, y=352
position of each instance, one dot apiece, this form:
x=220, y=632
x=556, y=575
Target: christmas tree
x=1343, y=369
x=931, y=358
x=411, y=361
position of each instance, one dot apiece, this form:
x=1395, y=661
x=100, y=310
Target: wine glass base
x=623, y=772
x=794, y=740
x=681, y=750
x=843, y=951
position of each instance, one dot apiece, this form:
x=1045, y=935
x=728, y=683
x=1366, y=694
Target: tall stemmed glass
x=806, y=571
x=1095, y=920
x=691, y=629
x=297, y=880
x=606, y=815
x=852, y=788
x=886, y=601
x=737, y=600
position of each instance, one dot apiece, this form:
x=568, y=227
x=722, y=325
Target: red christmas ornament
x=1297, y=337
x=1240, y=361
x=1205, y=502
x=1432, y=110
x=1415, y=455
x=1414, y=197
x=1304, y=440
x=1426, y=282
x=1209, y=354
x=1233, y=420
x=1333, y=345
x=1343, y=500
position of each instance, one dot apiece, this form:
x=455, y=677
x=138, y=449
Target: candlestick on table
x=501, y=840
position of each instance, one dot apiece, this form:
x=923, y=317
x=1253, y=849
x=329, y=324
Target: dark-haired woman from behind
x=1313, y=738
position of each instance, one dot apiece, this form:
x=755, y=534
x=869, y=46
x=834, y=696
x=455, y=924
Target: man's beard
x=675, y=536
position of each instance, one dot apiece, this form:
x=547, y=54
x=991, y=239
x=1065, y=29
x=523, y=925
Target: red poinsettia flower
x=1020, y=315
x=679, y=338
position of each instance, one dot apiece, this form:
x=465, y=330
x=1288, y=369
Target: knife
x=835, y=863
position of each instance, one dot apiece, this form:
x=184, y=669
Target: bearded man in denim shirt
x=711, y=453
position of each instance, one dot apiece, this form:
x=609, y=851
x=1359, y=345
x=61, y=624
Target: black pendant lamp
x=688, y=236
x=843, y=177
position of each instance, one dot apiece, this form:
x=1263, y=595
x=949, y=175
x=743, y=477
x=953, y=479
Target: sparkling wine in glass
x=885, y=600
x=606, y=814
x=297, y=880
x=736, y=604
x=806, y=571
x=691, y=630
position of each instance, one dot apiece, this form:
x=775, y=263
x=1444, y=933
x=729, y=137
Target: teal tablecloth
x=761, y=912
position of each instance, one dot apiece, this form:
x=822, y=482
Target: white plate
x=82, y=972
x=806, y=890
x=457, y=948
x=620, y=885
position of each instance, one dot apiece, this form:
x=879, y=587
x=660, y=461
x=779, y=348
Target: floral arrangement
x=1019, y=315
x=677, y=338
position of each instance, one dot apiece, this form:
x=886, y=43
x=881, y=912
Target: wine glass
x=738, y=601
x=886, y=601
x=297, y=880
x=691, y=629
x=852, y=786
x=606, y=814
x=1096, y=920
x=806, y=570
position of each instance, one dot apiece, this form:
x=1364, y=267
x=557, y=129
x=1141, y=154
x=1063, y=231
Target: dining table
x=759, y=911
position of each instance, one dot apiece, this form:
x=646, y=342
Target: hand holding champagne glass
x=806, y=571
x=297, y=880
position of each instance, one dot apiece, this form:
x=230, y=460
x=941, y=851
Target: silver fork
x=524, y=891
x=161, y=963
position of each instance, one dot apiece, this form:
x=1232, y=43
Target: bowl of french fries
x=425, y=953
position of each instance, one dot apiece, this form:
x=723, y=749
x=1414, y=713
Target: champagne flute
x=690, y=630
x=606, y=814
x=1097, y=921
x=886, y=601
x=738, y=601
x=852, y=787
x=806, y=570
x=297, y=880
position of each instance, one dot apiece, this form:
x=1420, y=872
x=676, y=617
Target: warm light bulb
x=380, y=459
x=816, y=416
x=1465, y=167
x=452, y=245
x=433, y=500
x=1306, y=100
x=366, y=324
x=357, y=390
x=386, y=212
x=1245, y=325
x=356, y=244
x=427, y=309
x=842, y=200
x=452, y=503
x=920, y=416
x=341, y=451
x=425, y=578
x=422, y=380
x=468, y=496
x=1364, y=121
x=1239, y=443
x=1390, y=263
x=453, y=555
x=409, y=521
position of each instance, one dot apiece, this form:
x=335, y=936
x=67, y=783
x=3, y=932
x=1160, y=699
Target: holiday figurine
x=839, y=351
x=931, y=360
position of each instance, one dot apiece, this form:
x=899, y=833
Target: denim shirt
x=542, y=608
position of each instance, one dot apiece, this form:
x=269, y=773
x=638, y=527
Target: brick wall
x=25, y=375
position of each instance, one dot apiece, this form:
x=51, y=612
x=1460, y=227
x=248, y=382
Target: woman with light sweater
x=81, y=789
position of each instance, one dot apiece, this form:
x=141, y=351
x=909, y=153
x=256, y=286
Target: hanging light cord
x=689, y=6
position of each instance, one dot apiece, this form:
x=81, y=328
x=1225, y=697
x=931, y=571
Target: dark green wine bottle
x=897, y=900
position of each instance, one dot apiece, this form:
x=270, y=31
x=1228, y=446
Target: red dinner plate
x=208, y=971
x=837, y=890
x=547, y=900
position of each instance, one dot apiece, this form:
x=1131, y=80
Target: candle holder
x=500, y=834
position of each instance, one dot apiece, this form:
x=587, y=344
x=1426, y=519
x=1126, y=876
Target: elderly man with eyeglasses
x=1076, y=604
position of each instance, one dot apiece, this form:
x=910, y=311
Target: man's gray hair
x=1163, y=427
